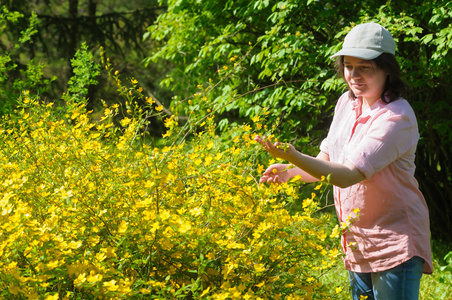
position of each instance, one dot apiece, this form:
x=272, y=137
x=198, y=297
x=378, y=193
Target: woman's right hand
x=277, y=173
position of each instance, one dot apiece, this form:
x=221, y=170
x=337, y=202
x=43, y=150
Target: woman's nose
x=355, y=73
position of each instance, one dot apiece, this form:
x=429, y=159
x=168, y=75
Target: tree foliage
x=62, y=26
x=275, y=54
x=13, y=78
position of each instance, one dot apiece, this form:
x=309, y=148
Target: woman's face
x=364, y=78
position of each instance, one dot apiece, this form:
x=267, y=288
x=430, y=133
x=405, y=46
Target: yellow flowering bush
x=94, y=210
x=88, y=212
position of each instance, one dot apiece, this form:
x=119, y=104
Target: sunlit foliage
x=91, y=210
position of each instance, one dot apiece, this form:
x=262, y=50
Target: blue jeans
x=399, y=283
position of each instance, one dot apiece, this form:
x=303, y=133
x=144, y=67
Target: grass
x=437, y=286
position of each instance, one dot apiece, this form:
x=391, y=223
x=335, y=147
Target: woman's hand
x=277, y=150
x=277, y=173
x=284, y=172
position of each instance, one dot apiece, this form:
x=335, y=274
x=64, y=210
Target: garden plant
x=92, y=206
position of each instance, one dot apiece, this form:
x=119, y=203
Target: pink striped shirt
x=393, y=224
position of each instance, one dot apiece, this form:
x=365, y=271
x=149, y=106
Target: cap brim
x=359, y=53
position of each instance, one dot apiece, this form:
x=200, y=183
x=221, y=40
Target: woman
x=369, y=154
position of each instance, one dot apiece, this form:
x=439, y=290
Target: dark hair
x=394, y=87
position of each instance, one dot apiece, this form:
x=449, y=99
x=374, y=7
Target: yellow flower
x=149, y=100
x=80, y=279
x=334, y=253
x=159, y=108
x=111, y=285
x=93, y=277
x=100, y=257
x=210, y=145
x=335, y=232
x=124, y=122
x=52, y=297
x=259, y=268
x=205, y=292
x=53, y=264
x=184, y=227
x=122, y=227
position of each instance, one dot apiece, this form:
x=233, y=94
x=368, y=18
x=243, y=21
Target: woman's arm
x=284, y=172
x=340, y=175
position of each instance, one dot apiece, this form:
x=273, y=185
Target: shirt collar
x=357, y=106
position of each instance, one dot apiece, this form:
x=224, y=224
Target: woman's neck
x=366, y=103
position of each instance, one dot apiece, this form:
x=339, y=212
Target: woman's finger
x=258, y=139
x=275, y=179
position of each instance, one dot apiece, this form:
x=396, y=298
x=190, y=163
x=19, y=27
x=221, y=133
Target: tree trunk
x=73, y=29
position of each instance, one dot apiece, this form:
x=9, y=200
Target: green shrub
x=90, y=210
x=15, y=79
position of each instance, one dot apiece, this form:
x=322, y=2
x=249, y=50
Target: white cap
x=367, y=41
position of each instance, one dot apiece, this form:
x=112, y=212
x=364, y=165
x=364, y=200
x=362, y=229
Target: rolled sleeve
x=324, y=146
x=362, y=164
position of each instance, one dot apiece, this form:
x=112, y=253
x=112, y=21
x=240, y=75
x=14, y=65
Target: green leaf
x=427, y=38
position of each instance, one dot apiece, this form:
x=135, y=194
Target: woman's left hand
x=277, y=150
